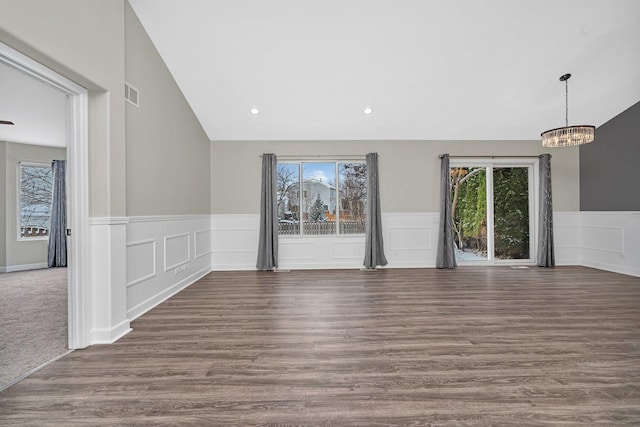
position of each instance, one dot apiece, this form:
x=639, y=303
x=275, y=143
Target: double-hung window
x=35, y=182
x=321, y=198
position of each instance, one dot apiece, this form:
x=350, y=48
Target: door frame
x=534, y=179
x=78, y=281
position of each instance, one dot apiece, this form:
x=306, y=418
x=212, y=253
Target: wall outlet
x=180, y=268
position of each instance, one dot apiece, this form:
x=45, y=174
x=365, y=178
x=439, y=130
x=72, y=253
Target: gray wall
x=167, y=149
x=22, y=252
x=84, y=41
x=609, y=165
x=409, y=170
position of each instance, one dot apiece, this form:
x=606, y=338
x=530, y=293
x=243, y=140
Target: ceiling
x=38, y=111
x=434, y=70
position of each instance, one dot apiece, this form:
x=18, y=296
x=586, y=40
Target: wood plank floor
x=474, y=346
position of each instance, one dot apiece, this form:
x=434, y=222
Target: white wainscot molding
x=611, y=241
x=409, y=242
x=234, y=241
x=566, y=237
x=320, y=252
x=604, y=240
x=410, y=239
x=176, y=243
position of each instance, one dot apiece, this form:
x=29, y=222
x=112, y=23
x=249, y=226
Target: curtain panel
x=268, y=240
x=445, y=255
x=546, y=255
x=374, y=246
x=57, y=255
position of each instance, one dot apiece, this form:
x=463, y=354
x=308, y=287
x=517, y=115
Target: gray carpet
x=33, y=320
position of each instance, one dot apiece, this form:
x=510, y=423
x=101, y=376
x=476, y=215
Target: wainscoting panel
x=202, y=243
x=291, y=249
x=566, y=237
x=321, y=252
x=177, y=244
x=348, y=249
x=411, y=239
x=176, y=250
x=409, y=242
x=610, y=241
x=141, y=261
x=234, y=242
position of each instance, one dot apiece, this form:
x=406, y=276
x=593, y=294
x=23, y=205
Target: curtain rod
x=533, y=156
x=321, y=157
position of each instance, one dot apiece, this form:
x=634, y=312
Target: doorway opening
x=78, y=277
x=494, y=208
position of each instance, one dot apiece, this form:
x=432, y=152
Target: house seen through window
x=332, y=201
x=35, y=193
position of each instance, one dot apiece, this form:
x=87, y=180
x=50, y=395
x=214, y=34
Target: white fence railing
x=26, y=232
x=320, y=228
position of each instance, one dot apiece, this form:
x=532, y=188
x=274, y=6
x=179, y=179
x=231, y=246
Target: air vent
x=131, y=95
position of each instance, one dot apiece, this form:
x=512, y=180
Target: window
x=493, y=207
x=334, y=197
x=35, y=192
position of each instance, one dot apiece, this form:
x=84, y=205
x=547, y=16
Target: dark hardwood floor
x=474, y=347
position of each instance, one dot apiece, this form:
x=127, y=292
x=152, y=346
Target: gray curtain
x=268, y=242
x=374, y=247
x=445, y=256
x=546, y=256
x=58, y=228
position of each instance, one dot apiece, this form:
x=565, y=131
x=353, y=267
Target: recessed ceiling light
x=255, y=111
x=368, y=110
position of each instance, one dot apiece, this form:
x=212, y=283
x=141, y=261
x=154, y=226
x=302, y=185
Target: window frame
x=19, y=167
x=336, y=161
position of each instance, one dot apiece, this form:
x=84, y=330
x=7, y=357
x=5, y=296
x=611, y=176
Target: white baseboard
x=110, y=335
x=23, y=267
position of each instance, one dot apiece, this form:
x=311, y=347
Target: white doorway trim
x=77, y=158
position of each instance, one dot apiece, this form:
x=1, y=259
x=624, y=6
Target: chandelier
x=568, y=136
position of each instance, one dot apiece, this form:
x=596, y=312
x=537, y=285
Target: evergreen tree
x=317, y=211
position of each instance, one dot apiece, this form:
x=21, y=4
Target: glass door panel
x=511, y=213
x=469, y=207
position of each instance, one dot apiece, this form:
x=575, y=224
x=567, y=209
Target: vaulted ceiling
x=446, y=70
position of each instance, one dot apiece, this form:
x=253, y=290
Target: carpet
x=33, y=320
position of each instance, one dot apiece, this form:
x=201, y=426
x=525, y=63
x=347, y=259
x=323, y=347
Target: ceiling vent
x=131, y=95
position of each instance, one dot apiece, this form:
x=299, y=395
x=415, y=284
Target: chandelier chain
x=566, y=102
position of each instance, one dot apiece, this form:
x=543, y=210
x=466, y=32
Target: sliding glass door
x=493, y=205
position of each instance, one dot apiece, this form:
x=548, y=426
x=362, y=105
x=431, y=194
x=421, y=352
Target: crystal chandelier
x=568, y=136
